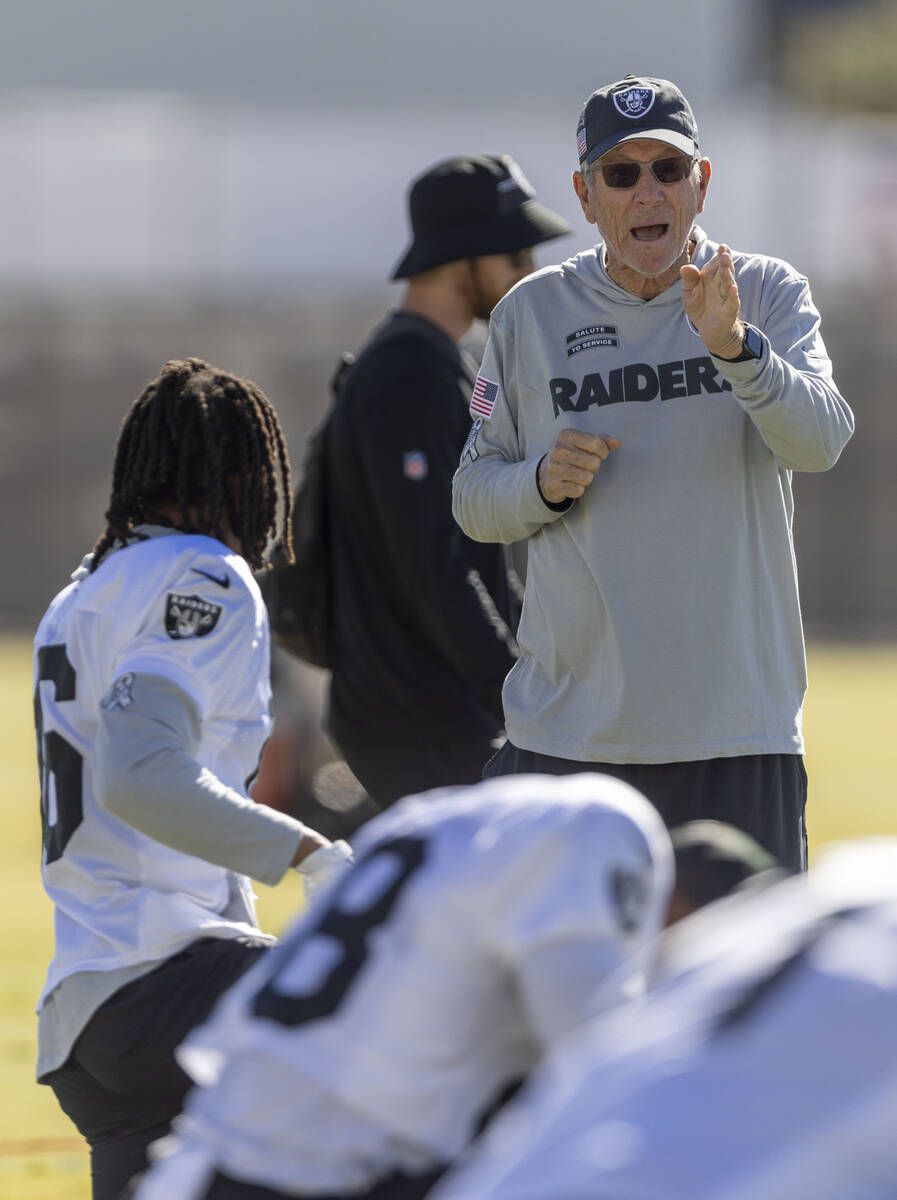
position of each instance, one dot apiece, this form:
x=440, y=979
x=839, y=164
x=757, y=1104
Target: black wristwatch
x=752, y=346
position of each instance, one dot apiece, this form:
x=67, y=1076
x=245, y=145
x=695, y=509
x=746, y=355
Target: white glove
x=319, y=868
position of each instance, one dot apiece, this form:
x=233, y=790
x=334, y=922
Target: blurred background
x=228, y=178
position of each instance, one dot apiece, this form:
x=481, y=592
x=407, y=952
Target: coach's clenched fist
x=570, y=465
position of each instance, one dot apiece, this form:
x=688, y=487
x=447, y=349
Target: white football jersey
x=762, y=1066
x=181, y=606
x=470, y=933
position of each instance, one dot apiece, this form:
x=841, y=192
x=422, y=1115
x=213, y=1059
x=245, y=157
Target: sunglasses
x=664, y=170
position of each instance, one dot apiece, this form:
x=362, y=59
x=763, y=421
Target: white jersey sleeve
x=763, y=1064
x=146, y=772
x=182, y=607
x=402, y=1006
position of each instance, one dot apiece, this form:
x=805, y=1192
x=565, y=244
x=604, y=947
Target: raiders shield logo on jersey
x=190, y=616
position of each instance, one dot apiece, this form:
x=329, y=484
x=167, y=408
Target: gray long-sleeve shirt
x=661, y=619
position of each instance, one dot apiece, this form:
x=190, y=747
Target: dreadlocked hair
x=209, y=445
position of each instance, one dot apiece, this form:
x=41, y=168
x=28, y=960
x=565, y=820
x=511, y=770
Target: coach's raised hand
x=710, y=300
x=570, y=465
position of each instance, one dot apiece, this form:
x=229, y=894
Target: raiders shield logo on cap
x=634, y=101
x=190, y=616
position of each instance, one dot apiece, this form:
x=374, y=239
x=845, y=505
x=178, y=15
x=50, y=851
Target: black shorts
x=762, y=794
x=121, y=1085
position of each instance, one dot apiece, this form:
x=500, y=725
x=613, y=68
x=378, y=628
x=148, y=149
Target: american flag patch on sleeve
x=485, y=393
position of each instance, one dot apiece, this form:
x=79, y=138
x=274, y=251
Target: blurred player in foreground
x=363, y=1055
x=152, y=699
x=763, y=1065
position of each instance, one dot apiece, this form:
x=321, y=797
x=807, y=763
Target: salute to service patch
x=591, y=336
x=190, y=616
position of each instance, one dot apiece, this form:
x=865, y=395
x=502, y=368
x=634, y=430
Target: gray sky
x=340, y=52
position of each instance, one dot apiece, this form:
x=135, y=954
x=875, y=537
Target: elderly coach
x=661, y=636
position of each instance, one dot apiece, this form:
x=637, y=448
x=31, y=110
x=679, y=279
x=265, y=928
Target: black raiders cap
x=635, y=108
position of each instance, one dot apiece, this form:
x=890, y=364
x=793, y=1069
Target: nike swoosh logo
x=222, y=581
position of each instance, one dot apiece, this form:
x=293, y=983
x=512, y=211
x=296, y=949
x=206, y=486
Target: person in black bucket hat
x=465, y=208
x=422, y=622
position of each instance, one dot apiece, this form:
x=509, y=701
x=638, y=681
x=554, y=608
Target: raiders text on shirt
x=638, y=381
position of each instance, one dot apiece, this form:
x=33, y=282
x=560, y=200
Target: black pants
x=396, y=1187
x=388, y=771
x=762, y=794
x=121, y=1085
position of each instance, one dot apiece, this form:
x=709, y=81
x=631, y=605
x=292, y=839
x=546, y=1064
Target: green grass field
x=849, y=726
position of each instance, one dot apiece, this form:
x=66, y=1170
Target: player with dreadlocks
x=152, y=698
x=193, y=433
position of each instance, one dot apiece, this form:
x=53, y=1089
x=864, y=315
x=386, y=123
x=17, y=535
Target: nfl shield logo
x=634, y=101
x=415, y=464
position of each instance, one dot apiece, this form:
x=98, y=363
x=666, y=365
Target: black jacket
x=415, y=650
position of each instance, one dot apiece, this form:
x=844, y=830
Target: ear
x=581, y=187
x=704, y=168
